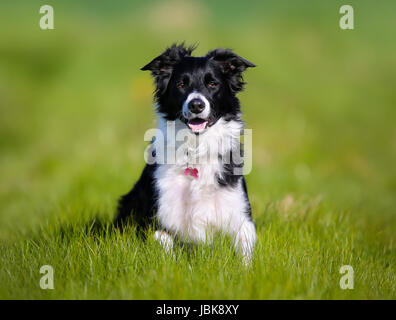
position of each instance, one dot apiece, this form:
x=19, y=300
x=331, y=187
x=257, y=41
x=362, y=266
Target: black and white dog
x=188, y=195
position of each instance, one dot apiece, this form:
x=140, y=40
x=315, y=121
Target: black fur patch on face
x=217, y=76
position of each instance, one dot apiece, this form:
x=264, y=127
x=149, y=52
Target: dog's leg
x=245, y=240
x=166, y=241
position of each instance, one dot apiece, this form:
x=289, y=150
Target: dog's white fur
x=192, y=209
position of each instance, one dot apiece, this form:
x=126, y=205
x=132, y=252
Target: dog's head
x=197, y=90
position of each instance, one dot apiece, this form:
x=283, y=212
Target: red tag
x=193, y=172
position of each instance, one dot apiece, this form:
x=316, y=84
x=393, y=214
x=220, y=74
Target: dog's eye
x=180, y=85
x=212, y=84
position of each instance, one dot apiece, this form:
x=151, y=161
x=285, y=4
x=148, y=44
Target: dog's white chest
x=191, y=207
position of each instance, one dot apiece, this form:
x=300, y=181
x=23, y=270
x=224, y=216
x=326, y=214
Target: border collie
x=190, y=190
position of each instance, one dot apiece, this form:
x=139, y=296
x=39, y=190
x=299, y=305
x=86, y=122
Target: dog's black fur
x=218, y=76
x=140, y=202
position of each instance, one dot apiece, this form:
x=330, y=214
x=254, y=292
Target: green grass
x=74, y=107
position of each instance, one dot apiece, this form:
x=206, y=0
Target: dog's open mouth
x=197, y=124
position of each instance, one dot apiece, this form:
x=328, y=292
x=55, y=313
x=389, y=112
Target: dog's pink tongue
x=197, y=126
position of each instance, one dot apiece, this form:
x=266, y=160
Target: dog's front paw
x=165, y=240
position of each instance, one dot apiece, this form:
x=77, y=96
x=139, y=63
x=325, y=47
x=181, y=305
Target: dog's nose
x=196, y=105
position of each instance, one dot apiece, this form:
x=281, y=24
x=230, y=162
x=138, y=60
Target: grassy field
x=74, y=107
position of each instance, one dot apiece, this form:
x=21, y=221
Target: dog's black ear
x=231, y=65
x=170, y=57
x=161, y=67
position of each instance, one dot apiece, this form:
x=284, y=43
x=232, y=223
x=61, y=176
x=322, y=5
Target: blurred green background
x=322, y=105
